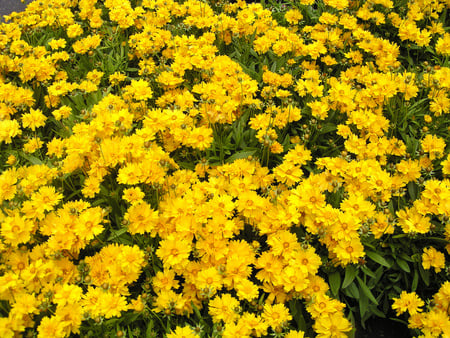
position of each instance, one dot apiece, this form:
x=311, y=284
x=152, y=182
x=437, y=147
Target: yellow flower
x=333, y=325
x=433, y=145
x=51, y=327
x=348, y=251
x=16, y=229
x=276, y=315
x=293, y=16
x=141, y=218
x=117, y=78
x=433, y=258
x=209, y=280
x=112, y=305
x=165, y=280
x=435, y=323
x=182, y=332
x=71, y=316
x=74, y=30
x=224, y=307
x=57, y=43
x=46, y=198
x=295, y=334
x=34, y=119
x=174, y=251
x=407, y=302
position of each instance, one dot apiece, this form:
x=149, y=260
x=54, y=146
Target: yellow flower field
x=201, y=168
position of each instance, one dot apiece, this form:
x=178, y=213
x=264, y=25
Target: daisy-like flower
x=407, y=302
x=433, y=258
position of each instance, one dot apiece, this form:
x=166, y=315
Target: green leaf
x=116, y=233
x=368, y=272
x=32, y=159
x=363, y=287
x=378, y=258
x=335, y=282
x=240, y=154
x=296, y=311
x=352, y=291
x=413, y=189
x=415, y=280
x=363, y=303
x=328, y=127
x=350, y=273
x=403, y=265
x=425, y=274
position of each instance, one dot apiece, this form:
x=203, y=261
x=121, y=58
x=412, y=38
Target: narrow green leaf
x=412, y=190
x=335, y=282
x=415, y=280
x=403, y=265
x=377, y=312
x=352, y=291
x=296, y=310
x=368, y=272
x=350, y=274
x=363, y=287
x=378, y=258
x=363, y=303
x=116, y=234
x=240, y=154
x=425, y=274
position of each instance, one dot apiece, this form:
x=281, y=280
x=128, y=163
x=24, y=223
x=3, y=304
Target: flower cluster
x=213, y=168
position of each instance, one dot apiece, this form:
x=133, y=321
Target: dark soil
x=383, y=328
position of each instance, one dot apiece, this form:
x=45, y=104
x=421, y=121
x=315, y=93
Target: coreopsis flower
x=83, y=45
x=224, y=307
x=200, y=138
x=8, y=180
x=139, y=90
x=57, y=44
x=276, y=315
x=34, y=119
x=185, y=332
x=446, y=166
x=141, y=218
x=407, y=302
x=433, y=145
x=174, y=251
x=74, y=30
x=117, y=78
x=51, y=327
x=254, y=323
x=246, y=290
x=165, y=280
x=133, y=195
x=436, y=323
x=89, y=223
x=209, y=280
x=348, y=251
x=112, y=304
x=46, y=198
x=295, y=334
x=411, y=221
x=16, y=229
x=32, y=145
x=293, y=16
x=170, y=302
x=433, y=258
x=66, y=294
x=443, y=45
x=71, y=316
x=334, y=325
